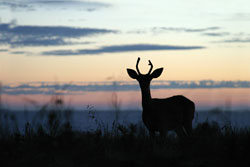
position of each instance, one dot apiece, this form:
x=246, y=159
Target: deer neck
x=146, y=96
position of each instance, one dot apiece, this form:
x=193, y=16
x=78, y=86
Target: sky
x=91, y=43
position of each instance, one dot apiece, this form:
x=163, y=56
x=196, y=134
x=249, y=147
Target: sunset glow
x=205, y=99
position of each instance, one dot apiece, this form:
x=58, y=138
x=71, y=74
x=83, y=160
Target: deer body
x=174, y=113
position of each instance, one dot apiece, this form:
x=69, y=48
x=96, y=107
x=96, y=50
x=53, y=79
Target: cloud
x=19, y=36
x=21, y=53
x=31, y=5
x=159, y=30
x=3, y=50
x=49, y=88
x=216, y=34
x=120, y=48
x=240, y=37
x=14, y=5
x=236, y=40
x=182, y=29
x=239, y=17
x=137, y=32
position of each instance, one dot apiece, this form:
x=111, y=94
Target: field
x=54, y=142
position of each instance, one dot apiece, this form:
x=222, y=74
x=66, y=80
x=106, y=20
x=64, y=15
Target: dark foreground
x=210, y=145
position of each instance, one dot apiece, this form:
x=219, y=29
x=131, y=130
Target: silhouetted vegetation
x=53, y=142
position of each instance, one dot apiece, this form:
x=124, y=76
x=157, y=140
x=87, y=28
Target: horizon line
x=48, y=88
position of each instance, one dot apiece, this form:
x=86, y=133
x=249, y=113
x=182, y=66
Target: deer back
x=169, y=113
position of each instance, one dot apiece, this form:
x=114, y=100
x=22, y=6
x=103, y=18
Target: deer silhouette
x=161, y=115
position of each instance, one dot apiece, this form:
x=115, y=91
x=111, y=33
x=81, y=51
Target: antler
x=151, y=66
x=137, y=68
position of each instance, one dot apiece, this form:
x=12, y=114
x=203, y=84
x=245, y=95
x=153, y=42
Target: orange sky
x=233, y=98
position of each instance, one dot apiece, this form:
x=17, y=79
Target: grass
x=56, y=144
x=208, y=146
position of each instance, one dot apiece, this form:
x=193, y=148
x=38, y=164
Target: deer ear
x=132, y=73
x=157, y=73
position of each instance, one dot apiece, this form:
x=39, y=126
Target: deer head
x=144, y=79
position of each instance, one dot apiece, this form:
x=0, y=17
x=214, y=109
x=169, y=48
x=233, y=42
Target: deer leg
x=152, y=134
x=163, y=133
x=181, y=132
x=188, y=127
